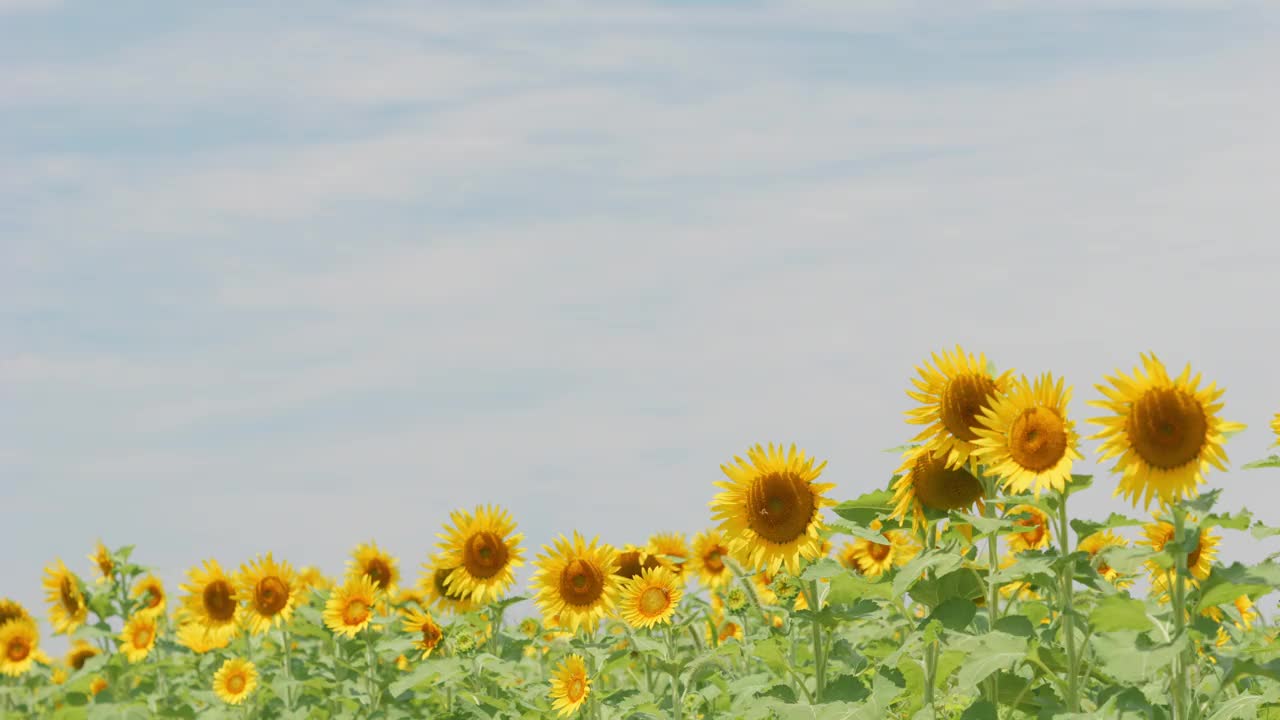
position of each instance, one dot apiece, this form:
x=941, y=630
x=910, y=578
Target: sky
x=291, y=277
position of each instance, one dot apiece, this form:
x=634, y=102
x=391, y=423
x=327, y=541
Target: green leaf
x=963, y=583
x=955, y=614
x=1131, y=658
x=987, y=654
x=845, y=528
x=1230, y=521
x=1116, y=612
x=1017, y=625
x=1078, y=483
x=910, y=573
x=1227, y=583
x=983, y=526
x=1203, y=504
x=980, y=710
x=864, y=509
x=1267, y=462
x=1262, y=531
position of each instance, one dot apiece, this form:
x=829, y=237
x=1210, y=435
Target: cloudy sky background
x=290, y=277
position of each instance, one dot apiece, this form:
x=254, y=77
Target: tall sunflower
x=953, y=395
x=270, y=590
x=570, y=686
x=1166, y=432
x=350, y=607
x=68, y=610
x=435, y=583
x=708, y=560
x=650, y=599
x=212, y=599
x=101, y=558
x=575, y=581
x=235, y=680
x=420, y=623
x=1199, y=561
x=928, y=483
x=380, y=566
x=483, y=550
x=150, y=593
x=771, y=508
x=138, y=637
x=871, y=558
x=1037, y=537
x=1025, y=437
x=1094, y=544
x=672, y=550
x=19, y=646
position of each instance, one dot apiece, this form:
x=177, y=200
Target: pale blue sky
x=290, y=276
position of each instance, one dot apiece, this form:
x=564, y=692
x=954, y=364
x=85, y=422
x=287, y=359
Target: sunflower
x=771, y=510
x=19, y=646
x=483, y=550
x=1037, y=537
x=97, y=685
x=953, y=396
x=576, y=581
x=235, y=680
x=1025, y=438
x=1275, y=427
x=310, y=577
x=80, y=653
x=138, y=637
x=379, y=565
x=1248, y=615
x=1199, y=561
x=671, y=550
x=11, y=610
x=150, y=592
x=350, y=607
x=1094, y=545
x=101, y=557
x=270, y=590
x=194, y=637
x=435, y=584
x=708, y=559
x=570, y=686
x=872, y=559
x=420, y=623
x=1020, y=588
x=68, y=610
x=928, y=483
x=212, y=598
x=650, y=598
x=730, y=629
x=634, y=560
x=1166, y=432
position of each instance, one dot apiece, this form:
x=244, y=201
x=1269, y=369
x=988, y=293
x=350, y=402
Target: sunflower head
x=350, y=607
x=435, y=585
x=953, y=395
x=80, y=653
x=212, y=598
x=138, y=637
x=570, y=686
x=634, y=560
x=12, y=610
x=484, y=548
x=1094, y=545
x=927, y=483
x=97, y=685
x=149, y=592
x=235, y=680
x=651, y=598
x=1038, y=537
x=872, y=559
x=709, y=554
x=380, y=566
x=19, y=646
x=68, y=610
x=270, y=590
x=309, y=578
x=1199, y=561
x=1165, y=431
x=199, y=640
x=771, y=509
x=101, y=559
x=1025, y=438
x=575, y=581
x=671, y=550
x=421, y=624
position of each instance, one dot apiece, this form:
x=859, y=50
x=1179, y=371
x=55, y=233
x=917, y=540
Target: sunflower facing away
x=633, y=560
x=650, y=599
x=67, y=607
x=417, y=622
x=484, y=550
x=19, y=646
x=1094, y=545
x=212, y=599
x=708, y=559
x=235, y=680
x=138, y=637
x=953, y=395
x=576, y=581
x=927, y=483
x=873, y=559
x=101, y=558
x=378, y=565
x=435, y=584
x=150, y=593
x=570, y=686
x=270, y=590
x=671, y=549
x=1166, y=432
x=1199, y=560
x=1037, y=537
x=1025, y=437
x=350, y=607
x=771, y=508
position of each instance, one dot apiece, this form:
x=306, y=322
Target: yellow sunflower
x=235, y=680
x=270, y=590
x=1166, y=432
x=194, y=637
x=633, y=560
x=435, y=583
x=310, y=578
x=1199, y=561
x=68, y=610
x=80, y=653
x=350, y=607
x=101, y=557
x=97, y=685
x=771, y=509
x=150, y=592
x=650, y=599
x=671, y=549
x=928, y=483
x=19, y=646
x=483, y=550
x=1248, y=615
x=1022, y=589
x=954, y=394
x=1275, y=427
x=380, y=566
x=732, y=630
x=1094, y=545
x=570, y=686
x=420, y=623
x=1025, y=437
x=708, y=559
x=138, y=637
x=576, y=581
x=212, y=599
x=11, y=610
x=1034, y=539
x=873, y=559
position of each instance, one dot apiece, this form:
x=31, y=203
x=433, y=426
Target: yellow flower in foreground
x=1199, y=560
x=484, y=551
x=235, y=680
x=1166, y=432
x=212, y=598
x=138, y=637
x=19, y=646
x=650, y=599
x=350, y=607
x=872, y=558
x=576, y=582
x=101, y=557
x=1094, y=545
x=570, y=686
x=708, y=560
x=420, y=623
x=150, y=591
x=271, y=591
x=377, y=564
x=771, y=508
x=927, y=483
x=1025, y=438
x=11, y=610
x=671, y=550
x=68, y=610
x=953, y=396
x=1034, y=539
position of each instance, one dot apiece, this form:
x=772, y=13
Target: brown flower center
x=1038, y=439
x=70, y=595
x=141, y=637
x=485, y=554
x=961, y=402
x=1167, y=427
x=79, y=657
x=153, y=598
x=940, y=488
x=219, y=601
x=355, y=612
x=440, y=578
x=879, y=551
x=780, y=507
x=712, y=560
x=18, y=649
x=270, y=596
x=654, y=600
x=236, y=684
x=379, y=572
x=1034, y=536
x=430, y=635
x=581, y=583
x=575, y=689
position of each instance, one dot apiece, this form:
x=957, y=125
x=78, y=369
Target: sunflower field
x=964, y=588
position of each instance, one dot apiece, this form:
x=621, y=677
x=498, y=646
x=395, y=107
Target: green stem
x=370, y=682
x=819, y=654
x=1068, y=609
x=1179, y=679
x=288, y=668
x=993, y=587
x=930, y=666
x=677, y=706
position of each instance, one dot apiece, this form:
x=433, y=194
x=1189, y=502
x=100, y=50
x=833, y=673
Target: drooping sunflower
x=1025, y=437
x=953, y=396
x=570, y=686
x=11, y=610
x=270, y=590
x=435, y=583
x=1094, y=545
x=1166, y=432
x=150, y=591
x=771, y=508
x=350, y=607
x=1034, y=539
x=235, y=680
x=672, y=550
x=634, y=560
x=484, y=550
x=212, y=598
x=67, y=606
x=1199, y=561
x=708, y=560
x=380, y=566
x=928, y=483
x=101, y=558
x=417, y=622
x=138, y=636
x=873, y=559
x=576, y=581
x=650, y=599
x=80, y=653
x=19, y=646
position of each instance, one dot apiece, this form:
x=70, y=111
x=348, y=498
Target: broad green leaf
x=955, y=614
x=910, y=573
x=1116, y=612
x=1271, y=461
x=963, y=583
x=987, y=654
x=864, y=509
x=1225, y=584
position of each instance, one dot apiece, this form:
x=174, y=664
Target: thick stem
x=1068, y=611
x=930, y=664
x=993, y=587
x=819, y=653
x=1178, y=679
